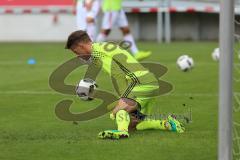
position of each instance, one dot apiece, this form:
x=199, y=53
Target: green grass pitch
x=29, y=128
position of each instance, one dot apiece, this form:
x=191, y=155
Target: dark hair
x=76, y=37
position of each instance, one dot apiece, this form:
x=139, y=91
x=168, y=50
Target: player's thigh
x=148, y=105
x=109, y=20
x=81, y=15
x=146, y=90
x=126, y=104
x=146, y=96
x=122, y=21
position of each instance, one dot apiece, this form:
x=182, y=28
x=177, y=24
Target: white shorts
x=114, y=18
x=82, y=13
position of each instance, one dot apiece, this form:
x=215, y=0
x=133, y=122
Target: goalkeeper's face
x=82, y=50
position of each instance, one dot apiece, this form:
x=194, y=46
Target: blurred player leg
x=92, y=18
x=81, y=14
x=122, y=22
x=129, y=38
x=86, y=17
x=91, y=28
x=108, y=21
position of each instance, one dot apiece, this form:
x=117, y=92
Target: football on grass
x=185, y=63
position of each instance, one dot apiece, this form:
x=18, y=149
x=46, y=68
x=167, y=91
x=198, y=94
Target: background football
x=185, y=63
x=216, y=54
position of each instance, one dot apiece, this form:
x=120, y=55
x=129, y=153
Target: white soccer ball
x=85, y=89
x=185, y=63
x=216, y=54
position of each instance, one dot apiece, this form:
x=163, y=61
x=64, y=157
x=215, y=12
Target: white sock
x=91, y=30
x=133, y=48
x=101, y=37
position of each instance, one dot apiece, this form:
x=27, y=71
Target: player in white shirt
x=114, y=15
x=86, y=14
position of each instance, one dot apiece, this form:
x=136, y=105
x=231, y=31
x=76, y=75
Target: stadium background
x=37, y=30
x=189, y=20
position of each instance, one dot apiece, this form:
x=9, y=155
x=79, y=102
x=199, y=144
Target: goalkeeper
x=135, y=86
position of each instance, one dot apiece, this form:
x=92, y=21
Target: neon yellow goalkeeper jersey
x=123, y=67
x=111, y=5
